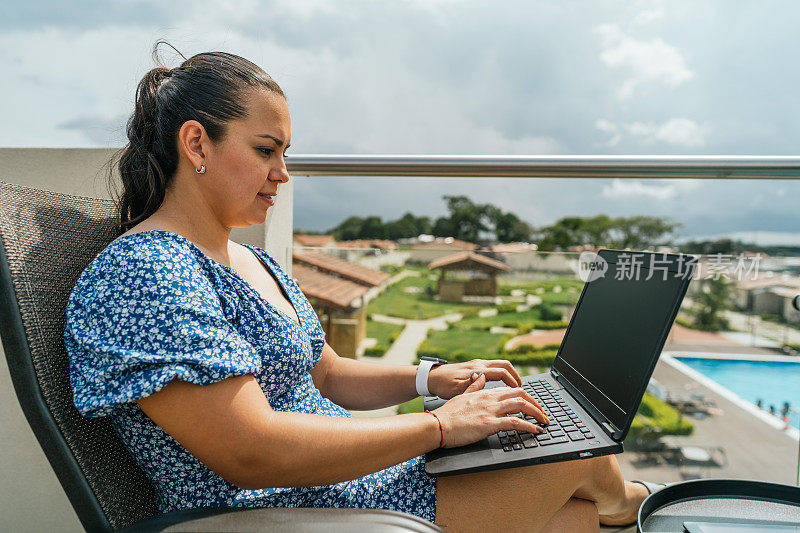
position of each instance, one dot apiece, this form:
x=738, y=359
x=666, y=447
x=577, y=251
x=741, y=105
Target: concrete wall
x=540, y=262
x=31, y=498
x=791, y=314
x=766, y=301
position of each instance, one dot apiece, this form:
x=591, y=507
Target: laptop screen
x=619, y=327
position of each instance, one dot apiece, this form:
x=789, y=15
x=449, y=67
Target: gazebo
x=471, y=275
x=338, y=291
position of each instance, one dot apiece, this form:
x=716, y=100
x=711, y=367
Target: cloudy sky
x=451, y=77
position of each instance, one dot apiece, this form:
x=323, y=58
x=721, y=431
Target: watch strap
x=423, y=370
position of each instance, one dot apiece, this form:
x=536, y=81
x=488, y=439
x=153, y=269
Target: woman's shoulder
x=149, y=247
x=152, y=257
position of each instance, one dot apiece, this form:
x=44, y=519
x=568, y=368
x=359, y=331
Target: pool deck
x=755, y=444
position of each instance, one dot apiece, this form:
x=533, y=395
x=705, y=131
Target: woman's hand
x=480, y=412
x=447, y=381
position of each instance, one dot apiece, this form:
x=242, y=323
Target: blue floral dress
x=152, y=307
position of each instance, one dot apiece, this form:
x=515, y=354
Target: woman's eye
x=266, y=151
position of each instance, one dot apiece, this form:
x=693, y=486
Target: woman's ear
x=191, y=138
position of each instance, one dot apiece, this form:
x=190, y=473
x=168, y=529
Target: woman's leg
x=527, y=498
x=575, y=515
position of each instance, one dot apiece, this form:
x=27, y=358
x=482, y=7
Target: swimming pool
x=771, y=382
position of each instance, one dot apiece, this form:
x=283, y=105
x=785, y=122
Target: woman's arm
x=231, y=428
x=364, y=385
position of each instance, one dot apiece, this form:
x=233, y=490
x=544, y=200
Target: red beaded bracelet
x=441, y=430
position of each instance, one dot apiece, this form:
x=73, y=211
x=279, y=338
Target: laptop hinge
x=554, y=373
x=613, y=432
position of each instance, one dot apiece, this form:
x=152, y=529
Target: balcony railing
x=660, y=167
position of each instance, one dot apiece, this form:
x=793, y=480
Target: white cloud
x=659, y=190
x=647, y=16
x=649, y=11
x=653, y=61
x=675, y=131
x=680, y=131
x=609, y=127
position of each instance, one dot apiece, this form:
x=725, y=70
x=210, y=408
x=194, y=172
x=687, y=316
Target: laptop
x=603, y=365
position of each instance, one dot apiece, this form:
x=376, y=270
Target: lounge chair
x=47, y=239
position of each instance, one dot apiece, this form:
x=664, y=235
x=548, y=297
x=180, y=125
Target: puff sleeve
x=141, y=314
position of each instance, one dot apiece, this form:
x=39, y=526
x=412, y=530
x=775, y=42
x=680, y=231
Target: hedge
x=527, y=357
x=653, y=413
x=376, y=351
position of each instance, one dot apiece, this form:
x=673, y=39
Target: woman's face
x=250, y=160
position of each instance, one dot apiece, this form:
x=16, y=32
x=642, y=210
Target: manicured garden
x=395, y=301
x=384, y=333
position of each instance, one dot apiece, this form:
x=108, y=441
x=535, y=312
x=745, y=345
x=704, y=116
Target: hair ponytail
x=208, y=88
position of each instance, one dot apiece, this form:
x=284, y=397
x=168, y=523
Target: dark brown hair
x=208, y=88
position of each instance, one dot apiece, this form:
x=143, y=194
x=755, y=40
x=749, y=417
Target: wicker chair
x=48, y=239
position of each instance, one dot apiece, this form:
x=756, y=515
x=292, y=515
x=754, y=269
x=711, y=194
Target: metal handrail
x=576, y=166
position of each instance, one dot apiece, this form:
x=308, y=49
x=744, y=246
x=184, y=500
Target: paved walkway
x=404, y=350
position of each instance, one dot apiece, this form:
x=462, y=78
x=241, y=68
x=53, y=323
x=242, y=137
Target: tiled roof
x=468, y=260
x=445, y=243
x=768, y=281
x=346, y=269
x=787, y=292
x=313, y=240
x=327, y=289
x=367, y=243
x=514, y=247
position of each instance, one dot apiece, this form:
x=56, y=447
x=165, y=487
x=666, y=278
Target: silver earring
x=201, y=170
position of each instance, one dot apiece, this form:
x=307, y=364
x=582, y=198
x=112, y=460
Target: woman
x=214, y=366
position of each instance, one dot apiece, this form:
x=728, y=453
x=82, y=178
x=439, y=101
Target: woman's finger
x=478, y=382
x=503, y=363
x=506, y=423
x=520, y=405
x=506, y=393
x=501, y=374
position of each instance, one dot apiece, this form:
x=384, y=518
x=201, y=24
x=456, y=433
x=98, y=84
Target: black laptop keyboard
x=565, y=426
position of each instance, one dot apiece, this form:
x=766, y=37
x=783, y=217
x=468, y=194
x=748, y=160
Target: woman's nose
x=279, y=173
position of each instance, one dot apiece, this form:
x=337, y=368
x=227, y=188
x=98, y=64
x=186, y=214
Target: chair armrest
x=301, y=520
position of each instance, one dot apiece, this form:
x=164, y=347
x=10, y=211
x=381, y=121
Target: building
x=769, y=293
x=425, y=252
x=339, y=291
x=324, y=242
x=471, y=275
x=524, y=256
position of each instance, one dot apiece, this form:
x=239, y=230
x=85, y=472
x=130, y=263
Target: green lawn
x=561, y=298
x=500, y=319
x=473, y=340
x=382, y=331
x=507, y=285
x=394, y=302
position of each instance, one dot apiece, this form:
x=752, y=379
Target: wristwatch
x=424, y=368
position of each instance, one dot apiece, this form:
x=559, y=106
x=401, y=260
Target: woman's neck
x=197, y=224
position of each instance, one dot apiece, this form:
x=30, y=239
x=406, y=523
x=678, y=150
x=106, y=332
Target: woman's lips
x=267, y=198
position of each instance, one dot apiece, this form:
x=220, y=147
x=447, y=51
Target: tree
x=443, y=227
x=466, y=218
x=641, y=231
x=634, y=232
x=509, y=228
x=569, y=231
x=709, y=304
x=348, y=229
x=373, y=228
